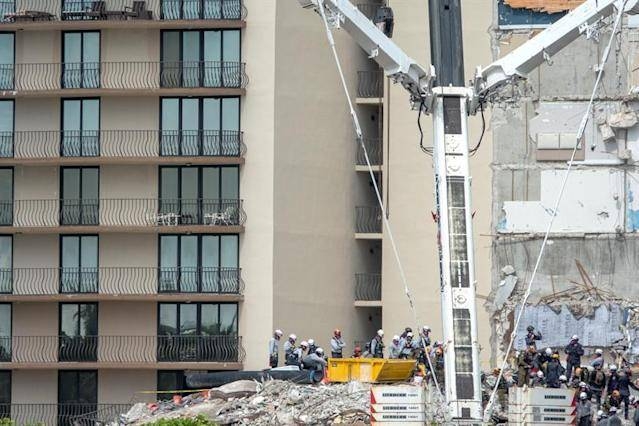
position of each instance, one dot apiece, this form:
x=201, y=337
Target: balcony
x=368, y=222
x=123, y=78
x=368, y=290
x=374, y=149
x=63, y=414
x=55, y=147
x=87, y=14
x=370, y=87
x=121, y=283
x=123, y=215
x=147, y=352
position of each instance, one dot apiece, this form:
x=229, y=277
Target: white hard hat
x=319, y=351
x=380, y=332
x=590, y=368
x=292, y=337
x=600, y=413
x=582, y=384
x=311, y=341
x=599, y=351
x=575, y=337
x=279, y=332
x=548, y=351
x=426, y=328
x=396, y=337
x=563, y=378
x=612, y=409
x=613, y=367
x=583, y=395
x=409, y=334
x=304, y=343
x=540, y=373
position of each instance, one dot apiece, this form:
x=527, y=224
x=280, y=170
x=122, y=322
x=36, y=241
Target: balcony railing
x=121, y=143
x=121, y=349
x=370, y=84
x=374, y=151
x=368, y=220
x=120, y=281
x=70, y=414
x=43, y=77
x=147, y=212
x=368, y=287
x=25, y=11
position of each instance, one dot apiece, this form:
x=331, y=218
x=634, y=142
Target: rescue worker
x=598, y=359
x=438, y=366
x=377, y=344
x=625, y=383
x=574, y=352
x=406, y=351
x=544, y=357
x=523, y=368
x=367, y=351
x=424, y=337
x=394, y=350
x=584, y=408
x=337, y=344
x=563, y=382
x=581, y=375
x=311, y=346
x=613, y=379
x=601, y=417
x=315, y=360
x=597, y=383
x=289, y=348
x=300, y=352
x=584, y=388
x=404, y=333
x=538, y=380
x=612, y=401
x=357, y=352
x=554, y=369
x=635, y=417
x=274, y=348
x=532, y=336
x=613, y=419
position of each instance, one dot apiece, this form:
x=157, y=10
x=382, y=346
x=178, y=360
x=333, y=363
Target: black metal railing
x=368, y=220
x=25, y=11
x=120, y=281
x=37, y=77
x=368, y=287
x=41, y=144
x=121, y=349
x=134, y=212
x=373, y=149
x=200, y=349
x=370, y=84
x=200, y=280
x=68, y=414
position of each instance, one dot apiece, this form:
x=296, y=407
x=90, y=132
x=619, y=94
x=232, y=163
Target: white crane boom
x=450, y=107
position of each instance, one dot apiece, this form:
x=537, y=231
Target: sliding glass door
x=81, y=55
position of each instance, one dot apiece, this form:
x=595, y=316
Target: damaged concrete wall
x=596, y=224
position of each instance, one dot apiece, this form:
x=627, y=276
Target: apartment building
x=170, y=193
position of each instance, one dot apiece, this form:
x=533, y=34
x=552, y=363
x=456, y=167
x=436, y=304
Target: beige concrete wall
x=256, y=245
x=128, y=181
x=33, y=47
x=130, y=45
x=316, y=186
x=127, y=318
x=37, y=114
x=411, y=191
x=117, y=387
x=128, y=250
x=34, y=386
x=131, y=113
x=35, y=319
x=36, y=183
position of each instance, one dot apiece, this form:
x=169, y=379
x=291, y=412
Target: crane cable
x=580, y=133
x=358, y=131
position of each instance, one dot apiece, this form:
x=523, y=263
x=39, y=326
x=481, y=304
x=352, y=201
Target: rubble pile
x=272, y=402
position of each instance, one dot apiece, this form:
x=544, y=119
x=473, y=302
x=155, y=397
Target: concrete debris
x=607, y=134
x=235, y=389
x=623, y=120
x=272, y=402
x=508, y=270
x=503, y=292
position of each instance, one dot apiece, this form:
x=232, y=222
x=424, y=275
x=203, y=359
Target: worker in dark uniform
x=532, y=336
x=574, y=352
x=377, y=344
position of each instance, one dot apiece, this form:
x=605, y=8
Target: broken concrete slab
x=238, y=389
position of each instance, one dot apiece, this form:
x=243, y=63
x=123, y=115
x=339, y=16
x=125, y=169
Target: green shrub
x=198, y=421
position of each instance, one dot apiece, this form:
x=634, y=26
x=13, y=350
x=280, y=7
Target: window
x=6, y=264
x=80, y=128
x=198, y=332
x=78, y=332
x=203, y=264
x=7, y=60
x=77, y=395
x=201, y=195
x=169, y=380
x=80, y=194
x=79, y=264
x=6, y=128
x=5, y=332
x=5, y=394
x=76, y=9
x=511, y=18
x=6, y=196
x=200, y=126
x=201, y=9
x=81, y=59
x=201, y=58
